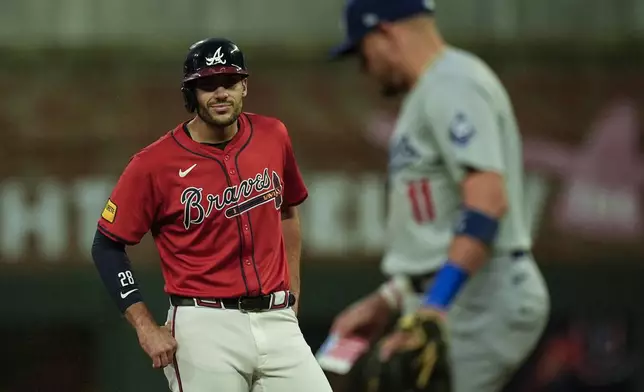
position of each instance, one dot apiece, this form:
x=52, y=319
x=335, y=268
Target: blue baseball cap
x=362, y=16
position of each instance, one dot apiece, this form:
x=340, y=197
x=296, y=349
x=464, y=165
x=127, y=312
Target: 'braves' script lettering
x=195, y=213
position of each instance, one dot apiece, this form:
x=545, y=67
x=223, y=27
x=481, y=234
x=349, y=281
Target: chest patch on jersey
x=461, y=129
x=402, y=153
x=258, y=190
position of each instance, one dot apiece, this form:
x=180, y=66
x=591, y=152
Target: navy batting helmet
x=212, y=56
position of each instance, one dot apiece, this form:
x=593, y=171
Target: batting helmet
x=212, y=56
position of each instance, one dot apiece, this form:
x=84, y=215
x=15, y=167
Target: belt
x=419, y=282
x=277, y=300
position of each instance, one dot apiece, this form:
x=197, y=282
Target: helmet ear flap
x=189, y=99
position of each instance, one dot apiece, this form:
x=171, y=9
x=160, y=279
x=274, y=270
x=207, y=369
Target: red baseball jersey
x=214, y=213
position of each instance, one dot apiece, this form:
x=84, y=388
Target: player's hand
x=158, y=343
x=367, y=318
x=401, y=340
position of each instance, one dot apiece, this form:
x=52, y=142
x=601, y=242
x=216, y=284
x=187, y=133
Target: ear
x=244, y=87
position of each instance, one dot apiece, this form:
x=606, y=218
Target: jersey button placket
x=230, y=167
x=248, y=246
x=247, y=259
x=247, y=253
x=247, y=237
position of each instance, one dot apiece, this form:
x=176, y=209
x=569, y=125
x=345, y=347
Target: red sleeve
x=130, y=209
x=295, y=191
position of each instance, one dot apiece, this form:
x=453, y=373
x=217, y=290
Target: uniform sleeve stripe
x=114, y=236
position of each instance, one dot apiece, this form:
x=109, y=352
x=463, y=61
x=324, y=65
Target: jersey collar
x=240, y=139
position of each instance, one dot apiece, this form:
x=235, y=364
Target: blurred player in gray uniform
x=458, y=236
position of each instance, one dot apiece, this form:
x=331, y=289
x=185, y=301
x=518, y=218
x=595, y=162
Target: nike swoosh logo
x=183, y=173
x=124, y=295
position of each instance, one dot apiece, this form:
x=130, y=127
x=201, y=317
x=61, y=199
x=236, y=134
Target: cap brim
x=221, y=70
x=344, y=50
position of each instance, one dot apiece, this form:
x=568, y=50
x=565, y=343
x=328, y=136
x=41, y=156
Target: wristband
x=478, y=225
x=388, y=293
x=393, y=290
x=447, y=285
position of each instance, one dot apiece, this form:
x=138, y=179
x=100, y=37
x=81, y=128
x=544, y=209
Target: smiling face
x=220, y=98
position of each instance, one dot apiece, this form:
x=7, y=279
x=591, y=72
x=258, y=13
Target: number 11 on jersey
x=420, y=197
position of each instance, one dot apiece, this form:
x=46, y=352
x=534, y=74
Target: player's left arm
x=293, y=245
x=469, y=128
x=294, y=194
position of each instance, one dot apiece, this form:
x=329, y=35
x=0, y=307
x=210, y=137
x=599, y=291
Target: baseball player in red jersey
x=219, y=195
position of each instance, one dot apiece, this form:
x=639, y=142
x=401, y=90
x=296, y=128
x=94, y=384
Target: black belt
x=419, y=282
x=245, y=304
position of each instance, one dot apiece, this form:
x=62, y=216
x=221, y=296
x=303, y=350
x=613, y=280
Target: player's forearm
x=468, y=253
x=484, y=204
x=293, y=244
x=140, y=317
x=113, y=267
x=483, y=192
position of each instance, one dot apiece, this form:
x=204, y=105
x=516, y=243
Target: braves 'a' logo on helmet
x=216, y=58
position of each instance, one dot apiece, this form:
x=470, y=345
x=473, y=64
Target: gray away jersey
x=457, y=116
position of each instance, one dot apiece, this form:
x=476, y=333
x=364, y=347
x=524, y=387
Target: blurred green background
x=84, y=84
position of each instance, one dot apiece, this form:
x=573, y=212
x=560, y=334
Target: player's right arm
x=468, y=128
x=126, y=218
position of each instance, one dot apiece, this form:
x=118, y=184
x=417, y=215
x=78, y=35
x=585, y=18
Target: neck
x=431, y=46
x=202, y=132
